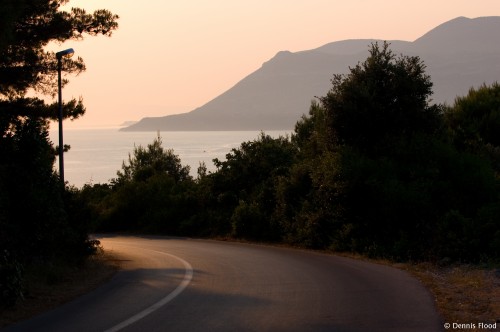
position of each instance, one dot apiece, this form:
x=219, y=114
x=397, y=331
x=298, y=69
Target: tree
x=379, y=101
x=152, y=193
x=150, y=161
x=310, y=134
x=369, y=116
x=474, y=122
x=28, y=26
x=475, y=118
x=35, y=224
x=244, y=185
x=377, y=174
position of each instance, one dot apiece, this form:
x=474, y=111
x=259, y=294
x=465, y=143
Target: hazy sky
x=171, y=56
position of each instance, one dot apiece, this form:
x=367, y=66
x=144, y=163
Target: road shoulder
x=464, y=294
x=50, y=289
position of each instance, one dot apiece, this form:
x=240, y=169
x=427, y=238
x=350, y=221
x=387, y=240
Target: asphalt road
x=170, y=284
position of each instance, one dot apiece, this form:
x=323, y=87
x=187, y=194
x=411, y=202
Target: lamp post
x=59, y=55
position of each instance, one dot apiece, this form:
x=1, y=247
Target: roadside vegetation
x=373, y=169
x=39, y=224
x=464, y=293
x=51, y=285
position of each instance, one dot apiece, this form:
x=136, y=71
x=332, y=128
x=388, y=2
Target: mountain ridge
x=459, y=54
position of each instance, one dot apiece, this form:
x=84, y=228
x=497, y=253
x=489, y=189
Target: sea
x=97, y=154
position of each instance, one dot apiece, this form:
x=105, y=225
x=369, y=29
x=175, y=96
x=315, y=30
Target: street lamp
x=59, y=55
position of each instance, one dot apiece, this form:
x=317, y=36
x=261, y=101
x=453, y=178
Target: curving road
x=171, y=284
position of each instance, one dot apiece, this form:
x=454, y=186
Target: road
x=171, y=284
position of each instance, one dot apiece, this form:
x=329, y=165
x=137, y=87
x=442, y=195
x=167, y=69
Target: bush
x=11, y=279
x=152, y=193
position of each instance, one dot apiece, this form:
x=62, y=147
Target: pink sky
x=171, y=56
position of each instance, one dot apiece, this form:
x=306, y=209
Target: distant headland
x=459, y=54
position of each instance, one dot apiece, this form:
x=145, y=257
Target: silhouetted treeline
x=374, y=168
x=37, y=225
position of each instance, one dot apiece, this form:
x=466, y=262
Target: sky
x=172, y=56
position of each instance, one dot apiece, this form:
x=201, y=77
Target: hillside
x=458, y=54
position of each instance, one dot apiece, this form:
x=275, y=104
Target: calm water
x=97, y=154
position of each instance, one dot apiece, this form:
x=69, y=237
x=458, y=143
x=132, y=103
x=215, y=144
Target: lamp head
x=66, y=54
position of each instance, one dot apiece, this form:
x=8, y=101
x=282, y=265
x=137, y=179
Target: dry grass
x=464, y=294
x=51, y=286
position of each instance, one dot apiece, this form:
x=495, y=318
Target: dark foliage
x=37, y=223
x=378, y=175
x=373, y=168
x=245, y=182
x=379, y=101
x=39, y=219
x=152, y=193
x=474, y=123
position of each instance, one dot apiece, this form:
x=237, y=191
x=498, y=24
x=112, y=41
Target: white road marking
x=185, y=282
